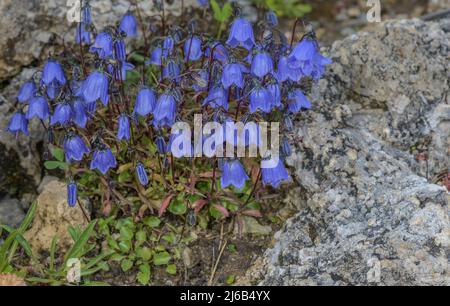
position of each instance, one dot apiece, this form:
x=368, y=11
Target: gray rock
x=370, y=215
x=11, y=212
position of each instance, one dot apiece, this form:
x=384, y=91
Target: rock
x=11, y=212
x=30, y=29
x=53, y=217
x=371, y=216
x=8, y=280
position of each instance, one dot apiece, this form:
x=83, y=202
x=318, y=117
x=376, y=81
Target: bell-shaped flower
x=128, y=24
x=241, y=34
x=124, y=127
x=297, y=101
x=217, y=97
x=96, y=87
x=26, y=92
x=232, y=75
x=220, y=53
x=171, y=71
x=167, y=46
x=103, y=45
x=120, y=50
x=38, y=108
x=302, y=54
x=274, y=176
x=145, y=102
x=155, y=57
x=82, y=34
x=285, y=148
x=262, y=64
x=275, y=92
x=74, y=148
x=260, y=99
x=165, y=111
x=141, y=174
x=103, y=160
x=161, y=145
x=80, y=116
x=18, y=123
x=193, y=49
x=285, y=73
x=62, y=115
x=72, y=194
x=233, y=173
x=53, y=72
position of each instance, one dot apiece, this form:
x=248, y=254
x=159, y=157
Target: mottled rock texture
x=368, y=214
x=53, y=217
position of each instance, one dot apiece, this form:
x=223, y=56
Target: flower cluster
x=105, y=122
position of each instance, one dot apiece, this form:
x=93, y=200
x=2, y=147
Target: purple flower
x=217, y=97
x=128, y=24
x=38, y=108
x=145, y=102
x=319, y=62
x=62, y=115
x=232, y=75
x=275, y=92
x=241, y=34
x=203, y=3
x=53, y=72
x=286, y=150
x=233, y=173
x=274, y=176
x=165, y=111
x=262, y=64
x=286, y=73
x=141, y=174
x=80, y=117
x=260, y=99
x=26, y=92
x=72, y=194
x=171, y=71
x=74, y=148
x=103, y=45
x=103, y=160
x=18, y=123
x=53, y=90
x=120, y=71
x=193, y=47
x=120, y=50
x=201, y=81
x=220, y=53
x=297, y=101
x=96, y=87
x=124, y=127
x=302, y=54
x=168, y=45
x=161, y=145
x=86, y=14
x=272, y=18
x=82, y=35
x=155, y=57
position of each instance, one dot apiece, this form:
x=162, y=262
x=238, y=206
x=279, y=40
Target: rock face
x=368, y=214
x=53, y=217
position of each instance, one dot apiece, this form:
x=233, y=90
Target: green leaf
x=141, y=236
x=77, y=249
x=125, y=246
x=230, y=279
x=51, y=165
x=145, y=253
x=152, y=221
x=143, y=276
x=171, y=238
x=126, y=265
x=232, y=248
x=126, y=234
x=171, y=269
x=161, y=258
x=53, y=252
x=221, y=14
x=58, y=154
x=177, y=207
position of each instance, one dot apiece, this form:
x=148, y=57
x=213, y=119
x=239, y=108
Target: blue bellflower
x=103, y=160
x=203, y=3
x=26, y=92
x=285, y=147
x=285, y=73
x=145, y=102
x=302, y=54
x=120, y=50
x=165, y=111
x=232, y=75
x=220, y=53
x=72, y=194
x=260, y=99
x=155, y=57
x=297, y=101
x=82, y=35
x=217, y=97
x=62, y=115
x=53, y=72
x=74, y=148
x=171, y=71
x=262, y=64
x=38, y=108
x=274, y=176
x=80, y=116
x=96, y=87
x=241, y=34
x=124, y=127
x=103, y=45
x=128, y=24
x=161, y=145
x=141, y=174
x=275, y=92
x=18, y=123
x=167, y=46
x=193, y=49
x=233, y=173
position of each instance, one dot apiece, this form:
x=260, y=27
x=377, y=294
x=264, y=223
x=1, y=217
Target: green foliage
x=59, y=163
x=56, y=274
x=221, y=14
x=286, y=8
x=14, y=239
